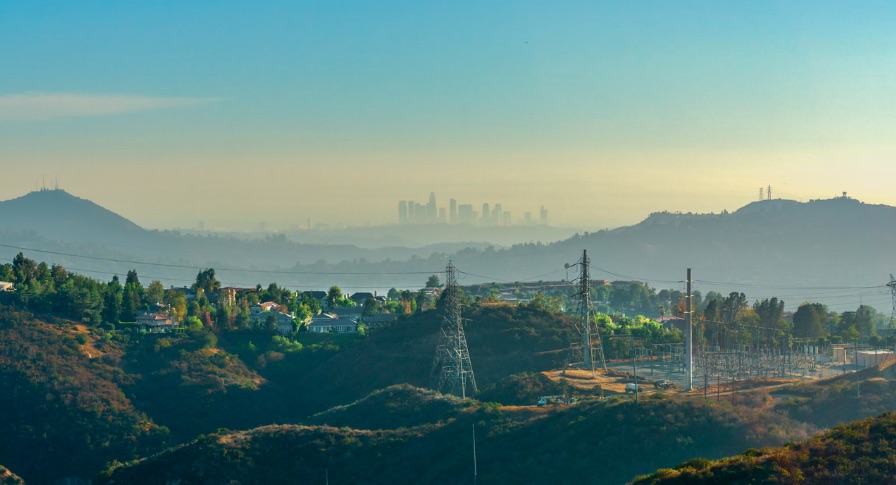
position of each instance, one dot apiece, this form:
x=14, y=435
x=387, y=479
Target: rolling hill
x=592, y=442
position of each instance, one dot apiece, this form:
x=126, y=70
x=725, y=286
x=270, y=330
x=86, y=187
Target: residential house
x=155, y=322
x=264, y=307
x=320, y=296
x=353, y=312
x=379, y=320
x=228, y=294
x=258, y=314
x=331, y=323
x=361, y=297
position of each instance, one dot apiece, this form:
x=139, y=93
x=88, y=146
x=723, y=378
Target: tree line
x=631, y=306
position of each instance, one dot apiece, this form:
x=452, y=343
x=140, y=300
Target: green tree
x=177, y=300
x=433, y=282
x=311, y=303
x=865, y=321
x=808, y=321
x=393, y=295
x=372, y=307
x=334, y=296
x=155, y=292
x=112, y=304
x=132, y=297
x=206, y=281
x=770, y=313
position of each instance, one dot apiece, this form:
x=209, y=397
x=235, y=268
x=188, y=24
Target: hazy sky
x=241, y=112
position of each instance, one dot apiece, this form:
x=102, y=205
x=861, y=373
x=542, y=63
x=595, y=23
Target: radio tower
x=452, y=371
x=892, y=285
x=591, y=343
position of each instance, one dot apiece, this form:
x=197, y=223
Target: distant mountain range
x=838, y=251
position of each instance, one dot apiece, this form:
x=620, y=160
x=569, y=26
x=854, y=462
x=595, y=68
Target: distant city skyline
x=244, y=113
x=412, y=212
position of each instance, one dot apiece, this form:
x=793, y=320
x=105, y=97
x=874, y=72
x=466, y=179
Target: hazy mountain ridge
x=837, y=242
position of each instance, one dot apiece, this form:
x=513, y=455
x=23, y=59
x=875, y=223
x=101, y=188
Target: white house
x=329, y=323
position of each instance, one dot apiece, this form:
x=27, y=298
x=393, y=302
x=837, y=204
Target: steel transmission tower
x=452, y=371
x=591, y=345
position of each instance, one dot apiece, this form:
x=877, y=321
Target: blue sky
x=234, y=113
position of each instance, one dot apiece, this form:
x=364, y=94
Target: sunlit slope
x=859, y=452
x=64, y=411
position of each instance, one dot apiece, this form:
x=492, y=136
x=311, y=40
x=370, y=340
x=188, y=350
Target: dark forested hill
x=593, y=442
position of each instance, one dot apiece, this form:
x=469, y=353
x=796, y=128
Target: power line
x=484, y=277
x=181, y=266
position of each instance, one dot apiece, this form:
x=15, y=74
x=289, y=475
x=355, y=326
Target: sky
x=239, y=113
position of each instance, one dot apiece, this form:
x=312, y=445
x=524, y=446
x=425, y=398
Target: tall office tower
x=419, y=213
x=431, y=211
x=402, y=212
x=485, y=214
x=453, y=211
x=442, y=216
x=497, y=214
x=465, y=214
x=544, y=216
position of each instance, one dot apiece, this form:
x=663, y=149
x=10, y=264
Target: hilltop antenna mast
x=452, y=371
x=892, y=285
x=769, y=193
x=591, y=342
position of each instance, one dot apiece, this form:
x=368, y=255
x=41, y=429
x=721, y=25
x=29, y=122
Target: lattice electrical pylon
x=452, y=371
x=892, y=285
x=590, y=346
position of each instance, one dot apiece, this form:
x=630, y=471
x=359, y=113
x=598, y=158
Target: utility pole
x=689, y=384
x=452, y=370
x=634, y=369
x=475, y=469
x=892, y=286
x=856, y=359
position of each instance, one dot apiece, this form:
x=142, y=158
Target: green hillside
x=88, y=398
x=594, y=442
x=860, y=452
x=503, y=340
x=64, y=411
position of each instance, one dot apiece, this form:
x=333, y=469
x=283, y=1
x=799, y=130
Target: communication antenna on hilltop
x=452, y=371
x=761, y=193
x=769, y=192
x=591, y=344
x=892, y=285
